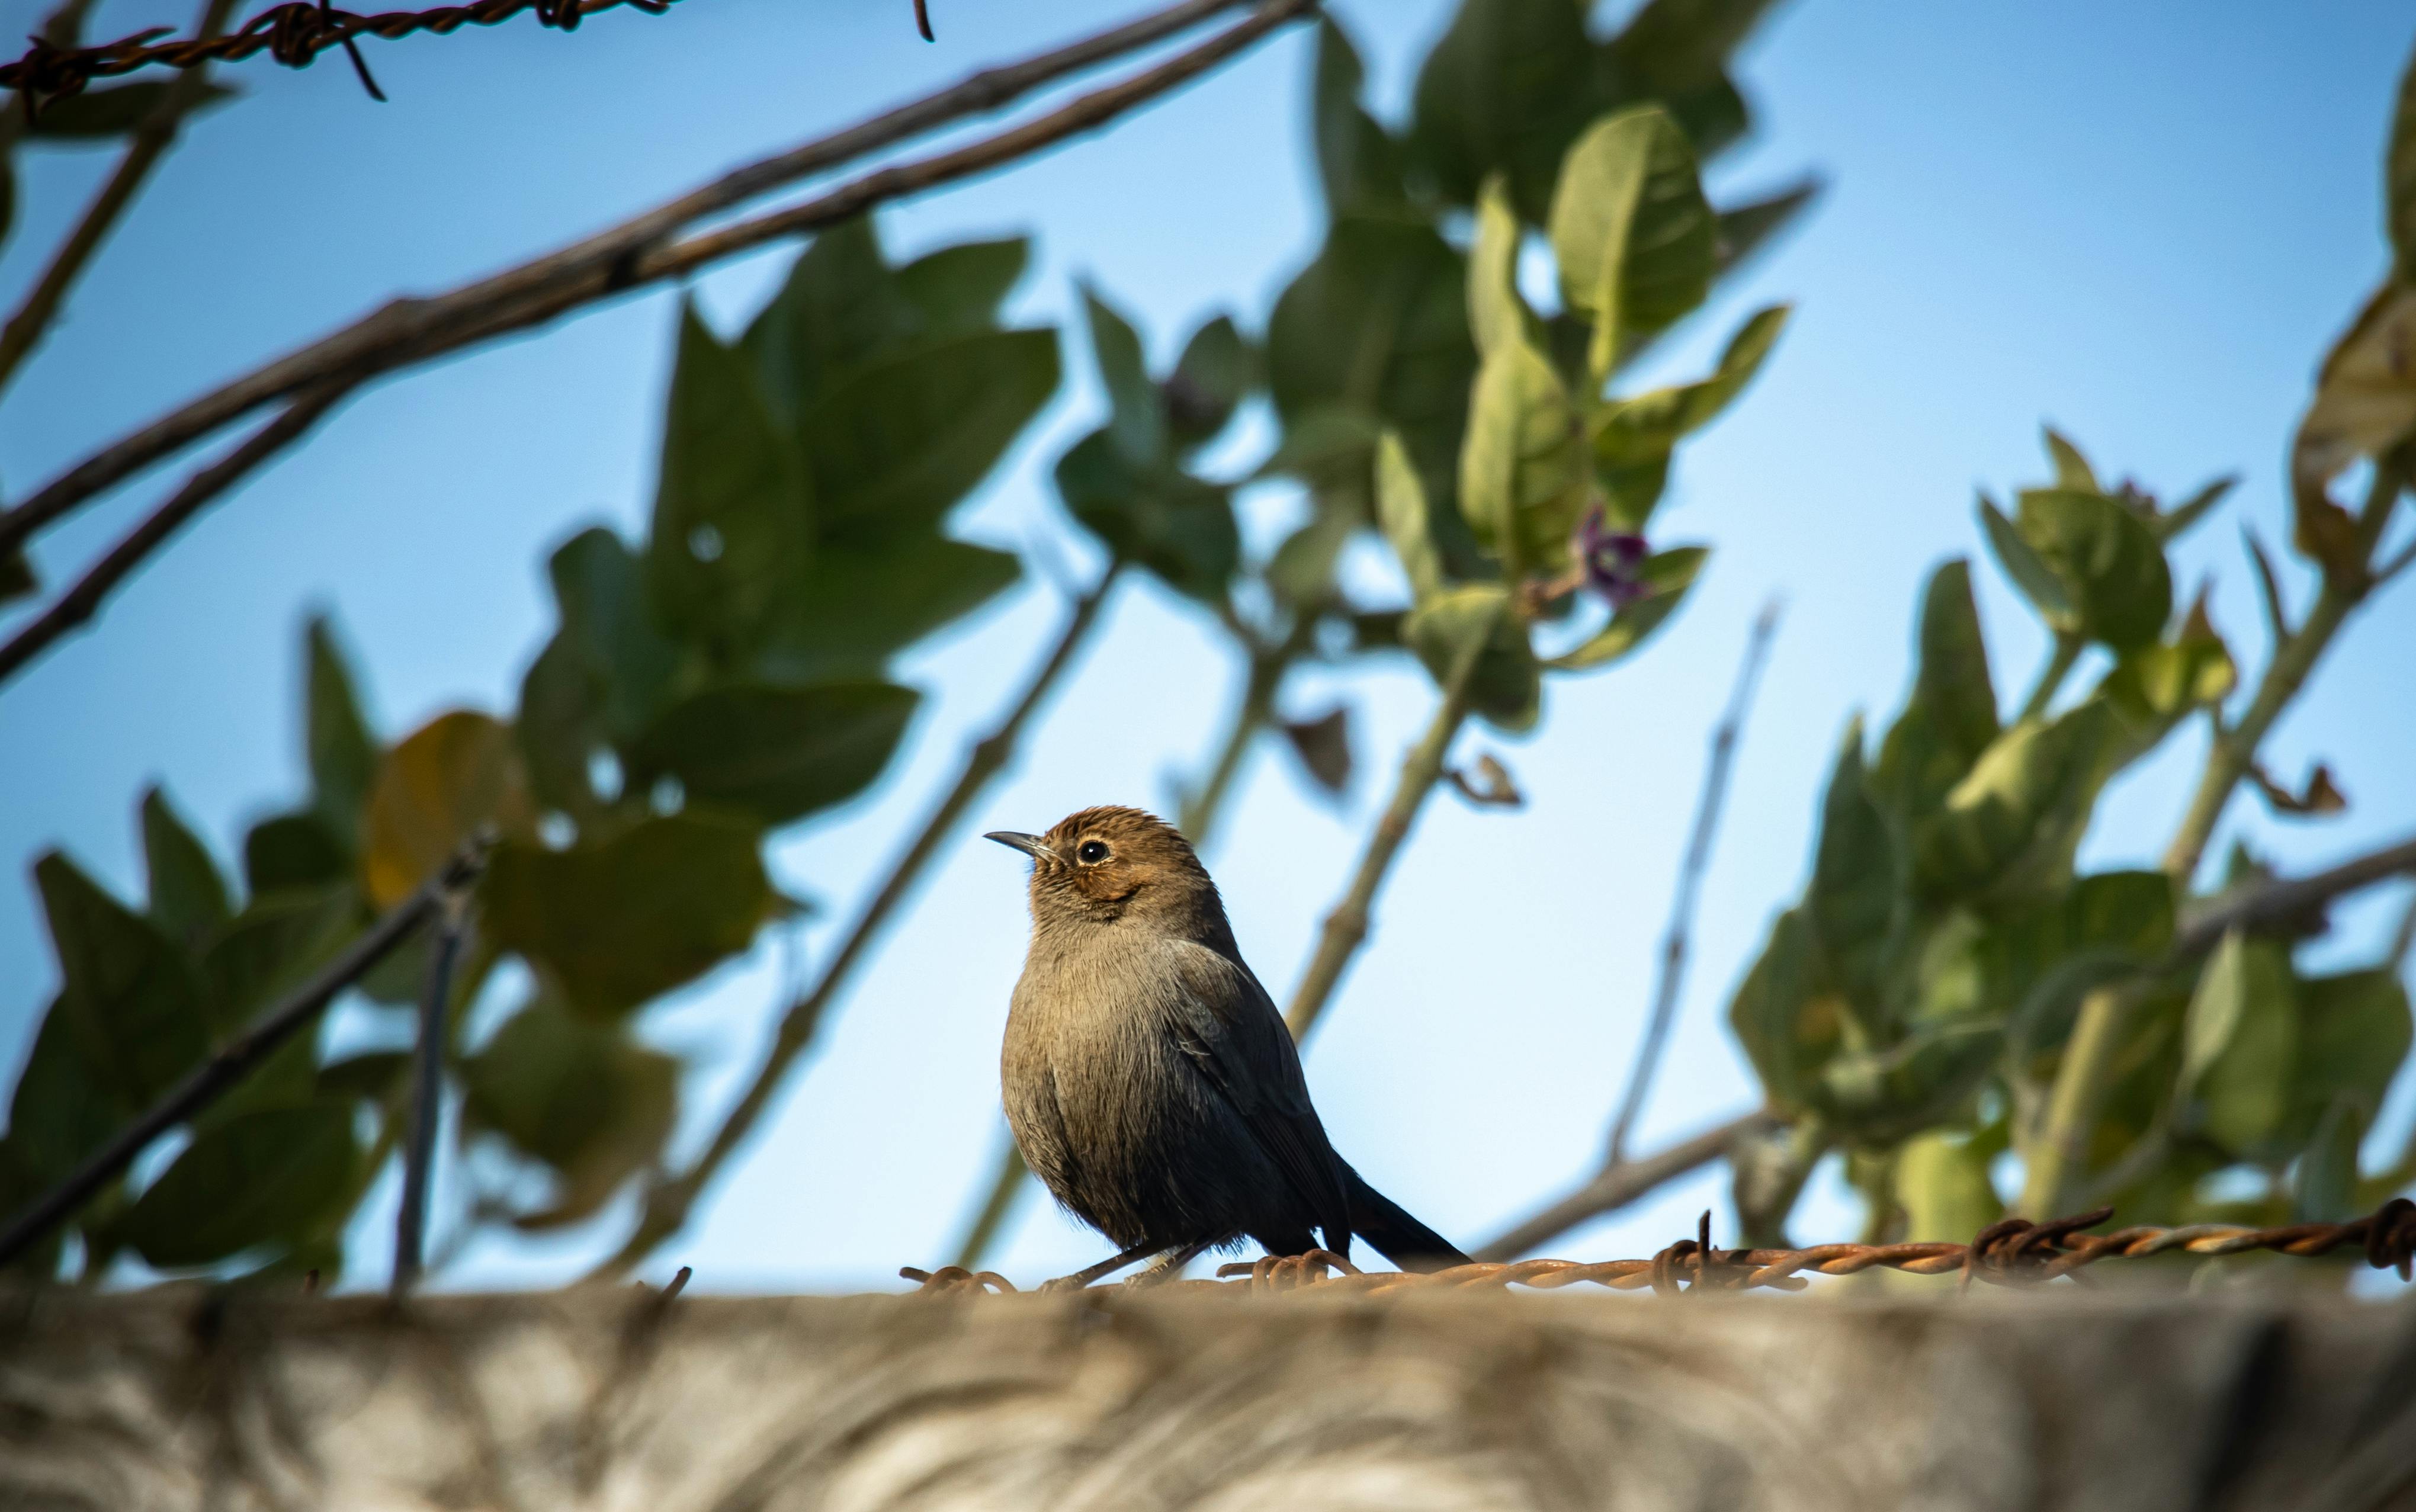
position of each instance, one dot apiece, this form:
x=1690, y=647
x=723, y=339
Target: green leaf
x=1746, y=229
x=616, y=925
x=577, y=1096
x=2324, y=1188
x=1209, y=382
x=1358, y=163
x=1953, y=682
x=1851, y=900
x=1498, y=318
x=189, y=898
x=256, y=1179
x=2239, y=1044
x=605, y=675
x=840, y=307
x=17, y=577
x=2153, y=687
x=1677, y=51
x=733, y=518
x=2174, y=523
x=1401, y=508
x=1504, y=686
x=2108, y=559
x=343, y=755
x=270, y=947
x=1646, y=428
x=1377, y=325
x=1943, y=1181
x=2072, y=469
x=2365, y=403
x=62, y=1109
x=1787, y=1027
x=1671, y=576
x=854, y=608
x=1506, y=89
x=458, y=773
x=958, y=290
x=1631, y=229
x=1176, y=525
x=1522, y=469
x=2353, y=1037
x=2008, y=829
x=291, y=851
x=379, y=1076
x=2030, y=571
x=903, y=440
x=775, y=753
x=1882, y=1096
x=128, y=996
x=116, y=110
x=1137, y=417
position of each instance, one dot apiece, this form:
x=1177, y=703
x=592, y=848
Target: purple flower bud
x=1613, y=560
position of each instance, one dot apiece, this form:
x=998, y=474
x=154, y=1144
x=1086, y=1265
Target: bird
x=1148, y=1079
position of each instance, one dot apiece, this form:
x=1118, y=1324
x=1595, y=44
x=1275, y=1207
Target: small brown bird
x=1149, y=1080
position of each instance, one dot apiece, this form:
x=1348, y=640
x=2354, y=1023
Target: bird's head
x=1112, y=863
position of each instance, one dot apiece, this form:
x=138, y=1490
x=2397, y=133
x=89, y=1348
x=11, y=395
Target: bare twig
x=2203, y=927
x=428, y=1093
x=1346, y=927
x=669, y=1201
x=1690, y=881
x=1615, y=1186
x=78, y=604
x=640, y=250
x=216, y=1076
x=151, y=142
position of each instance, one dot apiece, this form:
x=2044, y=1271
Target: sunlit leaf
x=2107, y=560
x=1667, y=577
x=2072, y=469
x=1943, y=1181
x=2030, y=571
x=2324, y=1186
x=1522, y=469
x=2240, y=1043
x=437, y=787
x=1504, y=686
x=1631, y=430
x=1401, y=508
x=2009, y=828
x=1631, y=230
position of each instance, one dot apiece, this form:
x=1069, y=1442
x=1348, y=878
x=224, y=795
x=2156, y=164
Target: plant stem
x=2058, y=666
x=428, y=1095
x=2234, y=750
x=1617, y=1185
x=669, y=1201
x=151, y=142
x=1346, y=927
x=1690, y=883
x=2057, y=1165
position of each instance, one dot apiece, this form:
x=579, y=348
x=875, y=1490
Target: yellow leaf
x=456, y=772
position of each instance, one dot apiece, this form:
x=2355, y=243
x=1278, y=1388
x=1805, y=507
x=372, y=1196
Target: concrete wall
x=609, y=1399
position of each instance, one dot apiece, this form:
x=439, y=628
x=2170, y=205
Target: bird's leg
x=1084, y=1277
x=1169, y=1265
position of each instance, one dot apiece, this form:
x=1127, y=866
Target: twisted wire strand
x=2012, y=1252
x=293, y=34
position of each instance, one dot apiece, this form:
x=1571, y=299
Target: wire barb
x=2012, y=1252
x=293, y=33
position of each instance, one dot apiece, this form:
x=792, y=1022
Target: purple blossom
x=1613, y=560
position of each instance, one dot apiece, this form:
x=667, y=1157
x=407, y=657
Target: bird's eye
x=1091, y=853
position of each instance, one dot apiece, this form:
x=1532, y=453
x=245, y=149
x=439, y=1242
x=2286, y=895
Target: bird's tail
x=1396, y=1235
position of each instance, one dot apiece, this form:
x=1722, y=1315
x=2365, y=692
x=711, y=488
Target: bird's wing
x=1227, y=1024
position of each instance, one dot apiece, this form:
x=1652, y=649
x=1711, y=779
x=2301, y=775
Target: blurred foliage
x=731, y=674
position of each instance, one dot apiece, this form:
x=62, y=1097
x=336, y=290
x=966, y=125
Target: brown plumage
x=1148, y=1078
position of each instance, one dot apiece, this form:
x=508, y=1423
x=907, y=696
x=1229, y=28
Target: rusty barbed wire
x=294, y=34
x=2012, y=1252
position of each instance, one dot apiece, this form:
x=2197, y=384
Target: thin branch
x=1346, y=927
x=78, y=604
x=152, y=140
x=1690, y=880
x=2278, y=903
x=669, y=1201
x=428, y=1094
x=639, y=250
x=990, y=1220
x=1618, y=1183
x=216, y=1076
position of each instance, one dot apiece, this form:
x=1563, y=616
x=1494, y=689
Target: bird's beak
x=1030, y=845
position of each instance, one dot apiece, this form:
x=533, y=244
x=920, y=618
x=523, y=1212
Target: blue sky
x=2143, y=222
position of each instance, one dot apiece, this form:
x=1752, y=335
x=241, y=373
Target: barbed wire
x=2012, y=1252
x=294, y=34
